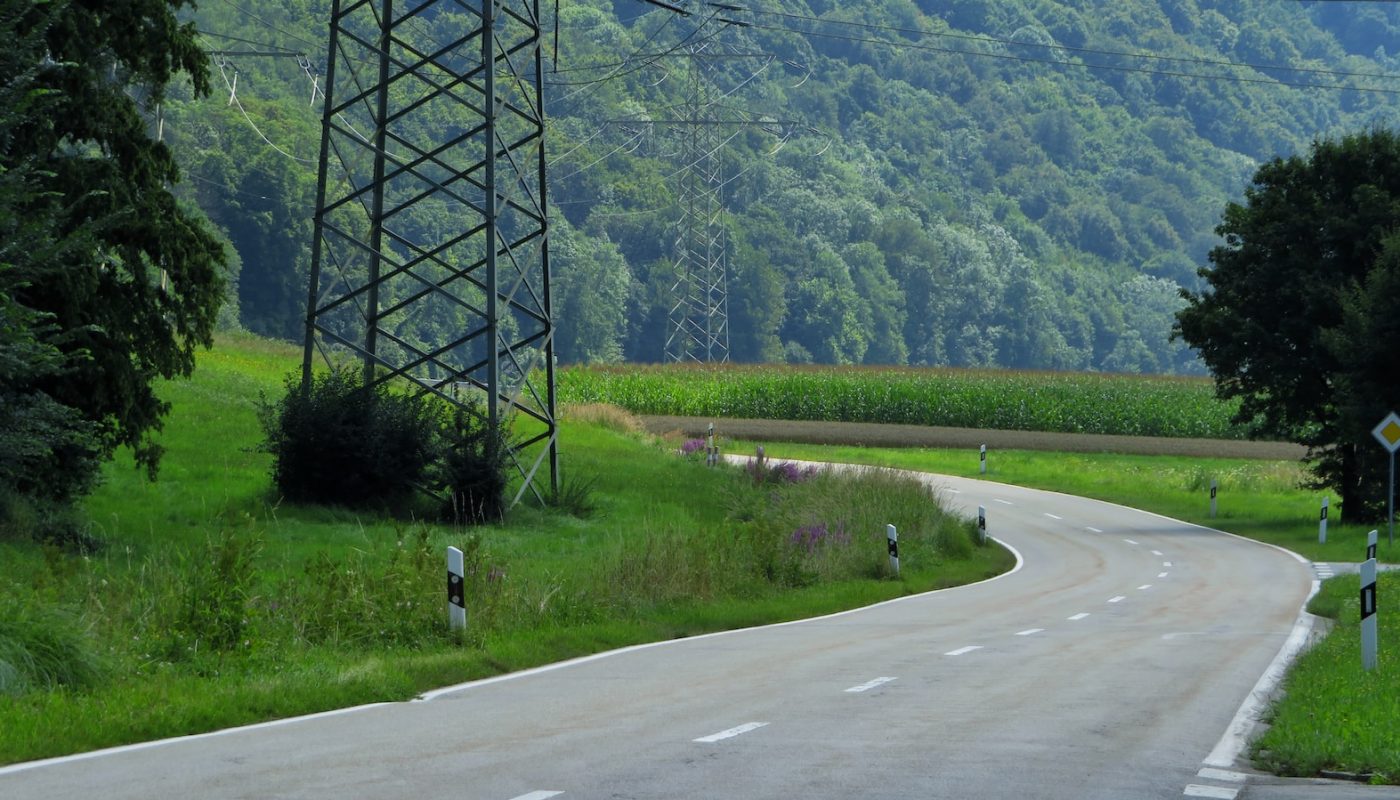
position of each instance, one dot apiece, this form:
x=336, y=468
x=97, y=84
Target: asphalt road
x=1107, y=666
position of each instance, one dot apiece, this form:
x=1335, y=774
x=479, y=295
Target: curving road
x=1107, y=666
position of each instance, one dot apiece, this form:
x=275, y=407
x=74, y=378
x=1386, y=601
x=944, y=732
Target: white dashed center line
x=1080, y=615
x=1130, y=541
x=1052, y=516
x=731, y=733
x=1216, y=792
x=1144, y=587
x=540, y=795
x=1163, y=574
x=868, y=685
x=1030, y=632
x=1003, y=502
x=962, y=650
x=1092, y=529
x=1120, y=598
x=1166, y=563
x=1156, y=552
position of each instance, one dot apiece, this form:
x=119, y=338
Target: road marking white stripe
x=732, y=732
x=1163, y=574
x=1166, y=563
x=1052, y=516
x=1211, y=773
x=1130, y=541
x=1030, y=632
x=953, y=491
x=540, y=795
x=962, y=650
x=1092, y=529
x=1156, y=552
x=1120, y=598
x=1080, y=615
x=1144, y=587
x=871, y=684
x=1003, y=502
x=1217, y=792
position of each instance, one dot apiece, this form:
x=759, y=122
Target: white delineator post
x=1372, y=539
x=456, y=590
x=892, y=538
x=983, y=459
x=1322, y=524
x=1369, y=644
x=1213, y=487
x=982, y=524
x=710, y=458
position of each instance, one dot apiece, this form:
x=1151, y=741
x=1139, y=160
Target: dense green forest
x=1019, y=183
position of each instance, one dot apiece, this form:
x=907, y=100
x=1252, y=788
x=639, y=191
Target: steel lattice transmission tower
x=430, y=261
x=698, y=320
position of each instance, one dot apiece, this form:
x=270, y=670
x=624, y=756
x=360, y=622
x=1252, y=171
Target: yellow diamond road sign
x=1388, y=432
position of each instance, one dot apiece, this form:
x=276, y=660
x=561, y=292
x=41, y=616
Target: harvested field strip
x=1124, y=405
x=866, y=434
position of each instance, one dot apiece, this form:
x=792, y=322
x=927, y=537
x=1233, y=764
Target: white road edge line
x=1052, y=516
x=1120, y=598
x=1080, y=615
x=512, y=676
x=1003, y=502
x=543, y=794
x=731, y=733
x=962, y=650
x=1213, y=774
x=1030, y=632
x=1236, y=736
x=871, y=684
x=1217, y=792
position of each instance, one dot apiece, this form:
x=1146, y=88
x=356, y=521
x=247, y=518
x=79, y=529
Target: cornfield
x=1131, y=405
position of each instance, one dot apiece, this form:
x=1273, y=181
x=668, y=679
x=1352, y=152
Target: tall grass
x=1002, y=399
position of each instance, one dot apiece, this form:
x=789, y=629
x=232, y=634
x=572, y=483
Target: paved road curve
x=1107, y=666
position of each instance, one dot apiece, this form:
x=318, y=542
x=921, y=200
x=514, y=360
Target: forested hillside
x=1017, y=183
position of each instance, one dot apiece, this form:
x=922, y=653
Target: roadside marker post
x=983, y=459
x=892, y=537
x=1369, y=644
x=1388, y=434
x=711, y=454
x=982, y=524
x=1322, y=524
x=1213, y=487
x=456, y=590
x=1371, y=544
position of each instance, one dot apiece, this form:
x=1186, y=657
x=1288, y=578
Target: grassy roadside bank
x=1332, y=716
x=210, y=604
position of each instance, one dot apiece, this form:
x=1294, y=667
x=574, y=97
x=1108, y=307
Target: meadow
x=1099, y=403
x=208, y=603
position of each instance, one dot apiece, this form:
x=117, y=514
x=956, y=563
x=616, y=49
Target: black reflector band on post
x=1368, y=600
x=454, y=590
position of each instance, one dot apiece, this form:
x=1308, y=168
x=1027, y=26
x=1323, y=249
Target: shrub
x=344, y=444
x=473, y=465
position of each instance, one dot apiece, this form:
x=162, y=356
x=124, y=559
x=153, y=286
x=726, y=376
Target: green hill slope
x=1020, y=183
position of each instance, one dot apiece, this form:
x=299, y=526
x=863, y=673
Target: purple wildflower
x=692, y=446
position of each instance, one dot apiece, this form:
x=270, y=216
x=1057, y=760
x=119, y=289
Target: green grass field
x=212, y=604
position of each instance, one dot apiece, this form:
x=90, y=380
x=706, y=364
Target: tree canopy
x=106, y=281
x=1298, y=315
